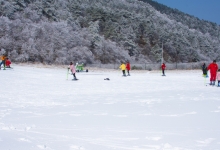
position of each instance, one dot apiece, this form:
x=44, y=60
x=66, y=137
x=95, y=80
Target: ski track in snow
x=41, y=109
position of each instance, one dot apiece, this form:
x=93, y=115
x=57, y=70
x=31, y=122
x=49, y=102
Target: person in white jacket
x=73, y=70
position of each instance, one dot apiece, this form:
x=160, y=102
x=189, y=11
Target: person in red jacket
x=128, y=68
x=163, y=66
x=8, y=63
x=213, y=67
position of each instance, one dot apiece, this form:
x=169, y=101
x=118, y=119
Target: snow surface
x=41, y=109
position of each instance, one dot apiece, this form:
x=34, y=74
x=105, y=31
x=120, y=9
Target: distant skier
x=3, y=58
x=77, y=67
x=73, y=70
x=213, y=67
x=204, y=70
x=123, y=67
x=163, y=67
x=7, y=63
x=128, y=68
x=218, y=77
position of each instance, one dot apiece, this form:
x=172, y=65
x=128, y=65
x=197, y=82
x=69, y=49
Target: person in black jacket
x=204, y=70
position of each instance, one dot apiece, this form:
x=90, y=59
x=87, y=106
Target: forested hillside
x=103, y=31
x=186, y=19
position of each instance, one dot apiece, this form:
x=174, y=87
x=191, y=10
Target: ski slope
x=41, y=110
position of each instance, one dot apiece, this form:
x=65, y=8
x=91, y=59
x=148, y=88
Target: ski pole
x=67, y=73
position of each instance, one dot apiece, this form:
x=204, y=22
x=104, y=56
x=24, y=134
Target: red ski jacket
x=128, y=66
x=163, y=66
x=213, y=67
x=7, y=62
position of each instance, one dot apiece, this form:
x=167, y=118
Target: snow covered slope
x=41, y=109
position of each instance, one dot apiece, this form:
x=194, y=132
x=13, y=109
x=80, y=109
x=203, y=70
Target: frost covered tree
x=95, y=31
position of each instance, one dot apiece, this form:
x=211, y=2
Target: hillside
x=103, y=31
x=186, y=19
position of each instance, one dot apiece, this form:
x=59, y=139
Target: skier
x=218, y=77
x=8, y=63
x=163, y=66
x=204, y=70
x=77, y=68
x=73, y=70
x=3, y=57
x=123, y=67
x=213, y=67
x=128, y=68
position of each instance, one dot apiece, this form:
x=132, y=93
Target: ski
x=4, y=68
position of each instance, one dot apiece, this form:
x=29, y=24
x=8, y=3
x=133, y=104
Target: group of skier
x=124, y=67
x=5, y=62
x=127, y=67
x=213, y=68
x=214, y=72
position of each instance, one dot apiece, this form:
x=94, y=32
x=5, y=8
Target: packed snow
x=42, y=108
